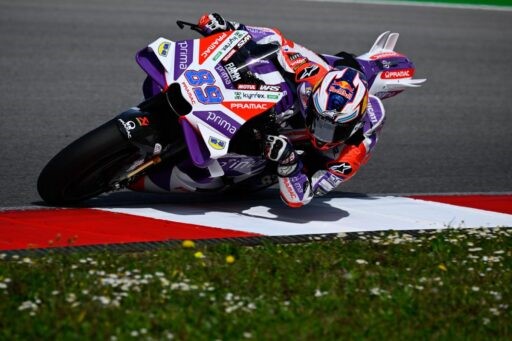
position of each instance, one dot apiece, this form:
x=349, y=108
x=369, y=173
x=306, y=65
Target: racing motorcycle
x=208, y=104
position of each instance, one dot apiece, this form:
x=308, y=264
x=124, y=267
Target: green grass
x=454, y=284
x=468, y=2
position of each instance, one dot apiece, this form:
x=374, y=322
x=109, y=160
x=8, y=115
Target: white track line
x=336, y=215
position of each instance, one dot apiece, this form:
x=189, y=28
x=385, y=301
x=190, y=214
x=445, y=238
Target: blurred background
x=67, y=66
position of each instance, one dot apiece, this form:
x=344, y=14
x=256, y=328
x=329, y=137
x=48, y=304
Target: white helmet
x=336, y=107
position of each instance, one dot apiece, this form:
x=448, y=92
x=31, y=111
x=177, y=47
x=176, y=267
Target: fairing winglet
x=380, y=43
x=385, y=43
x=400, y=83
x=388, y=72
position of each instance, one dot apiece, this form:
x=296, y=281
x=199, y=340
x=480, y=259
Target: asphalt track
x=67, y=66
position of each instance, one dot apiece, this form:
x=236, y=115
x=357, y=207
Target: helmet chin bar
x=323, y=146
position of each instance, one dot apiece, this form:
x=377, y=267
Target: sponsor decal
x=229, y=55
x=386, y=64
x=163, y=48
x=250, y=95
x=371, y=114
x=289, y=188
x=128, y=126
x=216, y=143
x=244, y=41
x=217, y=120
x=189, y=93
x=342, y=88
x=309, y=71
x=298, y=187
x=343, y=168
x=143, y=121
x=217, y=56
x=157, y=149
x=272, y=96
x=223, y=75
x=247, y=110
x=260, y=30
x=383, y=55
x=183, y=56
x=241, y=165
x=233, y=72
x=397, y=74
x=249, y=105
x=210, y=44
x=231, y=41
x=246, y=86
x=295, y=60
x=265, y=87
x=220, y=121
x=294, y=56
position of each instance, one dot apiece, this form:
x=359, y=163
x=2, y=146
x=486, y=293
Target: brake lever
x=181, y=24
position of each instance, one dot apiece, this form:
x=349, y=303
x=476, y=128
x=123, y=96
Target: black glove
x=279, y=149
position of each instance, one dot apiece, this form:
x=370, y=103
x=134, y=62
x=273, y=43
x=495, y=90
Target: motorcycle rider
x=331, y=102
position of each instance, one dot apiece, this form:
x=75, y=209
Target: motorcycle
x=208, y=104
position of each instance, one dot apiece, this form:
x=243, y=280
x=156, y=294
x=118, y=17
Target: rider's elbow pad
x=295, y=190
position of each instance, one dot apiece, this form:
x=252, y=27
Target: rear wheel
x=87, y=167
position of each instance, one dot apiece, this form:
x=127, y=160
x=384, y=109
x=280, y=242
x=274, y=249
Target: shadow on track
x=264, y=205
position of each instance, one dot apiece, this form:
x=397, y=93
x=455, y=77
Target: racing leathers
x=305, y=171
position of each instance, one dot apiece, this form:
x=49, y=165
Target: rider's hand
x=213, y=23
x=277, y=148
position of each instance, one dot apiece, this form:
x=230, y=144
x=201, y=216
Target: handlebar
x=181, y=24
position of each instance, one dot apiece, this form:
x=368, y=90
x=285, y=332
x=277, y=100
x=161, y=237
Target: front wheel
x=87, y=167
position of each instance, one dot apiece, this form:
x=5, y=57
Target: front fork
x=153, y=128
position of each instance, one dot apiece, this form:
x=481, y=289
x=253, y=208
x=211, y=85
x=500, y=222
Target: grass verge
x=435, y=285
x=505, y=3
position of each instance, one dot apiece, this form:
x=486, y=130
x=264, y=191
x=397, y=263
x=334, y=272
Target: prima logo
x=182, y=54
x=223, y=74
x=217, y=120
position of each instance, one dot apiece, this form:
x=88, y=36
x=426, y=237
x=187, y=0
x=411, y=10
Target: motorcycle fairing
x=252, y=172
x=210, y=82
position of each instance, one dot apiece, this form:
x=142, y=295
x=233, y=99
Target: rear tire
x=86, y=167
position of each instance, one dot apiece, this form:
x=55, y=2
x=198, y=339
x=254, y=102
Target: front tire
x=86, y=167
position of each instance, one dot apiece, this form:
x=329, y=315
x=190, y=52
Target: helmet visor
x=325, y=130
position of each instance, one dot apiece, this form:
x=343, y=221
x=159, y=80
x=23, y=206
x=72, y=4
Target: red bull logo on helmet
x=342, y=88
